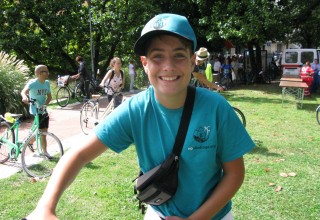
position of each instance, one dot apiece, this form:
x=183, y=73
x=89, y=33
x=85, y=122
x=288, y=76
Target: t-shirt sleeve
x=234, y=140
x=115, y=130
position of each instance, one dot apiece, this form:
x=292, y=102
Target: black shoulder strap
x=112, y=75
x=185, y=120
x=121, y=72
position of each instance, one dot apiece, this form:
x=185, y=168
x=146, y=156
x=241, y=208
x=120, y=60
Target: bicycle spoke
x=39, y=158
x=88, y=117
x=7, y=134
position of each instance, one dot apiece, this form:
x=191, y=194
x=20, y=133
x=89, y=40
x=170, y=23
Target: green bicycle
x=40, y=151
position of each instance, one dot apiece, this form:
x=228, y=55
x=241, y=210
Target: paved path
x=64, y=123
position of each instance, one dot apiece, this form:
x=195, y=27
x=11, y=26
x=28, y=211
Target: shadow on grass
x=92, y=166
x=260, y=148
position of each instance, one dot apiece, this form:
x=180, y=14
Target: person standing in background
x=216, y=70
x=316, y=78
x=132, y=74
x=234, y=66
x=114, y=80
x=83, y=76
x=306, y=74
x=39, y=89
x=199, y=72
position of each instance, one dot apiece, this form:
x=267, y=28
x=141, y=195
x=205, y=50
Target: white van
x=294, y=59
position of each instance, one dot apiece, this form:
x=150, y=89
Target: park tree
x=304, y=22
x=248, y=23
x=252, y=23
x=55, y=32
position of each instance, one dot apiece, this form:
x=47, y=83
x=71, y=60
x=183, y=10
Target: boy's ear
x=193, y=61
x=144, y=63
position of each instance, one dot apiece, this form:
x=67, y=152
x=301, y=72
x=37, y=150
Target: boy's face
x=43, y=73
x=168, y=64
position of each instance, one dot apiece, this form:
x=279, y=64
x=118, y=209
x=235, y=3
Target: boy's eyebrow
x=160, y=49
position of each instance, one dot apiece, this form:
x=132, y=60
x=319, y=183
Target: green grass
x=287, y=139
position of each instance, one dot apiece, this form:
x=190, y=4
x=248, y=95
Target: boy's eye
x=156, y=56
x=180, y=55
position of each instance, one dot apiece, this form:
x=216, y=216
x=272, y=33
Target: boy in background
x=39, y=89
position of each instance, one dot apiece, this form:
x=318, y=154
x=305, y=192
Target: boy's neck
x=41, y=80
x=172, y=102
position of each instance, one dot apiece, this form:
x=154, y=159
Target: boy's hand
x=220, y=89
x=42, y=215
x=25, y=100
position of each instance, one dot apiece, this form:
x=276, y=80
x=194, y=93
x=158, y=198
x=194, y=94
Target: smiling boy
x=211, y=167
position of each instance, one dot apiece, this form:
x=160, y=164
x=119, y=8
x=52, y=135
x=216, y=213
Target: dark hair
x=79, y=58
x=187, y=43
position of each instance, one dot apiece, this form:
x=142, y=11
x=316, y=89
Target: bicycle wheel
x=318, y=114
x=8, y=134
x=35, y=161
x=241, y=116
x=78, y=93
x=88, y=117
x=63, y=96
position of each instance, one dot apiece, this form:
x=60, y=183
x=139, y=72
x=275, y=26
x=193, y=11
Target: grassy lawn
x=288, y=143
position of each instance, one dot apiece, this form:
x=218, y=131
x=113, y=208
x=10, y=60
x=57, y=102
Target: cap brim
x=140, y=45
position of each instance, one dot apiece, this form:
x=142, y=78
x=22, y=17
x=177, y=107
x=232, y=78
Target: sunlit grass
x=287, y=139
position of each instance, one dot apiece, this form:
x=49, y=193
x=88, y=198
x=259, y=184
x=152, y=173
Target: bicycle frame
x=16, y=147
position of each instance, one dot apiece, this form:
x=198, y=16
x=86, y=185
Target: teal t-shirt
x=215, y=135
x=38, y=91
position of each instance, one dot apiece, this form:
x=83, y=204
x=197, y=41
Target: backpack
x=112, y=75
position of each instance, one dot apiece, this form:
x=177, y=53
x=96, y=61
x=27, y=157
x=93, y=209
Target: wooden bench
x=290, y=76
x=291, y=79
x=293, y=88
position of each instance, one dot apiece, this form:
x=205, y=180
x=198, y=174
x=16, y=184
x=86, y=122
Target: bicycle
x=318, y=114
x=40, y=151
x=90, y=114
x=241, y=116
x=65, y=92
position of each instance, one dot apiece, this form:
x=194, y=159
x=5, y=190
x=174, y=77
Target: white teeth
x=167, y=78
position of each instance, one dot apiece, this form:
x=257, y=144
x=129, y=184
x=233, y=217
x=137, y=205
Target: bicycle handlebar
x=42, y=108
x=114, y=92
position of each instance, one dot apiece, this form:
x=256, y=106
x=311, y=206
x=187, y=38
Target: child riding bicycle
x=39, y=89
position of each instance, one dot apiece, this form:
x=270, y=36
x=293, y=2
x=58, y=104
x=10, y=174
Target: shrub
x=13, y=76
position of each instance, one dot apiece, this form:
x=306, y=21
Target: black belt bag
x=159, y=184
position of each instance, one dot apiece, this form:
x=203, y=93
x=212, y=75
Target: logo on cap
x=160, y=23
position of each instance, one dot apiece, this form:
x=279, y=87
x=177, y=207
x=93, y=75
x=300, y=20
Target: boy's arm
x=24, y=93
x=63, y=175
x=203, y=79
x=49, y=98
x=234, y=172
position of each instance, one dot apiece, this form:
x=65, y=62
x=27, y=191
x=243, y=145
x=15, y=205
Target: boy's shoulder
x=32, y=81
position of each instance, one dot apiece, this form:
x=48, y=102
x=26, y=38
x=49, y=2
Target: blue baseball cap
x=166, y=24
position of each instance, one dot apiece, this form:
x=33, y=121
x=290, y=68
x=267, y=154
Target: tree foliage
x=54, y=32
x=13, y=75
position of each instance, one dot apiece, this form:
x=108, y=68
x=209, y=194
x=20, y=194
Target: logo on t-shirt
x=201, y=134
